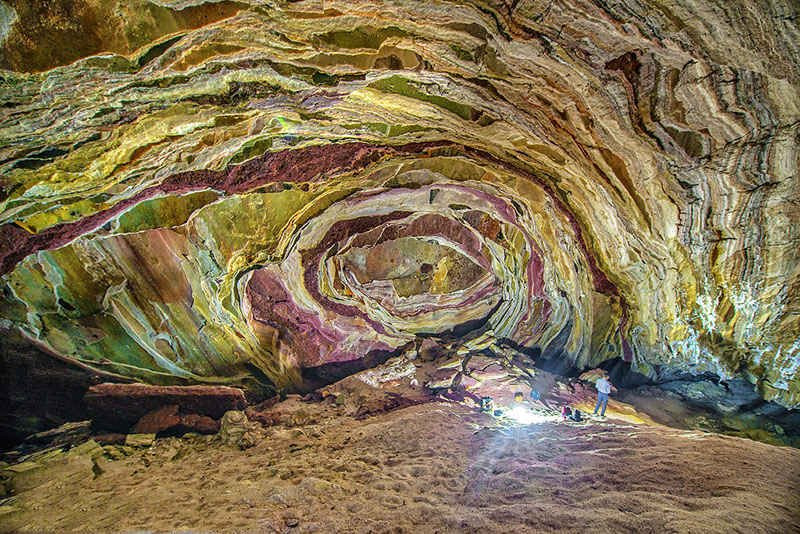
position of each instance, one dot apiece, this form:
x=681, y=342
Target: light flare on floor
x=522, y=415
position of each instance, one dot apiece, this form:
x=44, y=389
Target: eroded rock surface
x=239, y=195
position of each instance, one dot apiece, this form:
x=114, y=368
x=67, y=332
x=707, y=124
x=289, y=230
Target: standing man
x=604, y=387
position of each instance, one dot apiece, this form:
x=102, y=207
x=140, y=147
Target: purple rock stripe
x=315, y=163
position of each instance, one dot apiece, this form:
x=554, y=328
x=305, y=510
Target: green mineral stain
x=388, y=130
x=163, y=212
x=361, y=37
x=252, y=148
x=156, y=50
x=461, y=53
x=405, y=87
x=320, y=78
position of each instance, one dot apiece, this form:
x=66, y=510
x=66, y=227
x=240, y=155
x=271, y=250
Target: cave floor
x=432, y=467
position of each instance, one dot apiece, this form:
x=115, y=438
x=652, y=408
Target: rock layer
x=236, y=194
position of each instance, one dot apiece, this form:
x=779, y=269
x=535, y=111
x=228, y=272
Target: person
x=572, y=415
x=604, y=388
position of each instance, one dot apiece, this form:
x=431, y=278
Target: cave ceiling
x=237, y=192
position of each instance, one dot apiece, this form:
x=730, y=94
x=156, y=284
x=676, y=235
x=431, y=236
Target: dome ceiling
x=237, y=192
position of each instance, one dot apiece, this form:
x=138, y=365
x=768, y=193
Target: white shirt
x=603, y=386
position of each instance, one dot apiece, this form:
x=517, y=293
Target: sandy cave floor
x=434, y=467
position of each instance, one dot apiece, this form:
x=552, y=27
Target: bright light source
x=524, y=416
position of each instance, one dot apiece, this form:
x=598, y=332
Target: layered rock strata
x=241, y=194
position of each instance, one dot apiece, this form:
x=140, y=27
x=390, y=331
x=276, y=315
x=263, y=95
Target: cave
x=330, y=266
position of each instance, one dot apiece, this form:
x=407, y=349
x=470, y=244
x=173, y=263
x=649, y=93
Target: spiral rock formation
x=240, y=192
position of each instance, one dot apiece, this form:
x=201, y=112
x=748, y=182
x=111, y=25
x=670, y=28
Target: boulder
x=442, y=378
x=265, y=417
x=167, y=420
x=237, y=429
x=202, y=424
x=392, y=370
x=357, y=398
x=120, y=406
x=158, y=420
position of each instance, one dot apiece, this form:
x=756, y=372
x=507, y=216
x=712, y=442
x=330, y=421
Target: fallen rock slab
x=120, y=406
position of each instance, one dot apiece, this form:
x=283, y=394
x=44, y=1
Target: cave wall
x=38, y=391
x=236, y=192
